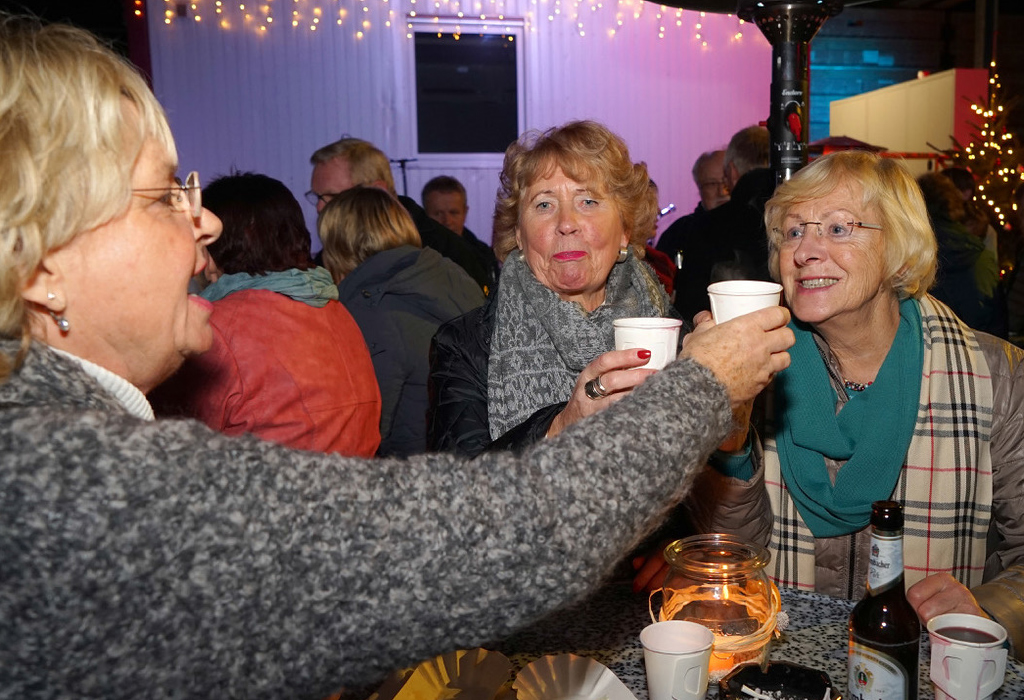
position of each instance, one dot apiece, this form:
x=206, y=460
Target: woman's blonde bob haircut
x=359, y=223
x=73, y=119
x=910, y=248
x=588, y=153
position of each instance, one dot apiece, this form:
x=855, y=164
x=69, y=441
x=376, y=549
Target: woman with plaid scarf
x=890, y=396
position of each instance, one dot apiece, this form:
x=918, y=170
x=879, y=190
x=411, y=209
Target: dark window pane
x=466, y=100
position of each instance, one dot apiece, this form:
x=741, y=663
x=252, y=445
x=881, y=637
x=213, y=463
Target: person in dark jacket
x=729, y=242
x=399, y=293
x=968, y=277
x=572, y=217
x=709, y=176
x=348, y=162
x=444, y=200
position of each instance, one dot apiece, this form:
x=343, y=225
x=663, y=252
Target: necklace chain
x=856, y=386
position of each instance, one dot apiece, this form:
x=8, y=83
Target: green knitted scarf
x=871, y=433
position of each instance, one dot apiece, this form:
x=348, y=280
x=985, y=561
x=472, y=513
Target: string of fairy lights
x=589, y=17
x=993, y=154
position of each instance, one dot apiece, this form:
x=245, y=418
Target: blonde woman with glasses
x=890, y=397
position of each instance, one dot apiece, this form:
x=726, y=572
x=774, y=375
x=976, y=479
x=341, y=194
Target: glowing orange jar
x=719, y=582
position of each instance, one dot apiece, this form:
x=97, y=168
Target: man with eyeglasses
x=351, y=162
x=709, y=176
x=729, y=242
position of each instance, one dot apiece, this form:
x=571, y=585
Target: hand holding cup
x=608, y=378
x=733, y=298
x=745, y=353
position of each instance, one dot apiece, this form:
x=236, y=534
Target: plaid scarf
x=945, y=484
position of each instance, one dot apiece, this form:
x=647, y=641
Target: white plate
x=569, y=677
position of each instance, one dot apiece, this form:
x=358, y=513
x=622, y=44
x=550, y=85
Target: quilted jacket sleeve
x=1003, y=590
x=457, y=416
x=720, y=503
x=457, y=386
x=532, y=430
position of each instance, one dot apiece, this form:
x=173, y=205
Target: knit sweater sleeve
x=162, y=558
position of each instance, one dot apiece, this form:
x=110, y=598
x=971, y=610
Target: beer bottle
x=885, y=633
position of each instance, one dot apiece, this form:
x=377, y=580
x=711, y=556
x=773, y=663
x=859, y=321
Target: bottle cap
x=887, y=515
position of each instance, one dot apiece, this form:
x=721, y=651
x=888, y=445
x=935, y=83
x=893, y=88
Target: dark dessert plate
x=782, y=679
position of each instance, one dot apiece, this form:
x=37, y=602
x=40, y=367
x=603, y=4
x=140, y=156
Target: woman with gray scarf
x=572, y=217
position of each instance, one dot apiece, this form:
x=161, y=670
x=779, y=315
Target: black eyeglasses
x=314, y=198
x=188, y=197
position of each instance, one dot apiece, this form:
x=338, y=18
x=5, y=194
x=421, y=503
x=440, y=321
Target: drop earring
x=62, y=323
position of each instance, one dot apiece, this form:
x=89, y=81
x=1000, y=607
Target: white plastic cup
x=676, y=655
x=733, y=298
x=659, y=335
x=963, y=669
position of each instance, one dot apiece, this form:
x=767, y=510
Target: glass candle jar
x=719, y=581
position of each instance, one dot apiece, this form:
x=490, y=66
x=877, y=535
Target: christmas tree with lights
x=993, y=155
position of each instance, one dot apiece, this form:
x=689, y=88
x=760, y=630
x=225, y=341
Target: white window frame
x=460, y=25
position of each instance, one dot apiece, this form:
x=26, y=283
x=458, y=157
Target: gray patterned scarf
x=540, y=343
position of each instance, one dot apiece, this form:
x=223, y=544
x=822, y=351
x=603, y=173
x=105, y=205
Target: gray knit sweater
x=161, y=559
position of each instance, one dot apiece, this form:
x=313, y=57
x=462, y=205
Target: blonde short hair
x=361, y=222
x=910, y=247
x=73, y=119
x=587, y=152
x=367, y=163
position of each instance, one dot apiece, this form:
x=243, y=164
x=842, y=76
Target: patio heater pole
x=789, y=27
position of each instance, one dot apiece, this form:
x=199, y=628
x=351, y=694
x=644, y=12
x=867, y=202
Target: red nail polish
x=643, y=354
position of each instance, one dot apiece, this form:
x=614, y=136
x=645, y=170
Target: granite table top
x=606, y=625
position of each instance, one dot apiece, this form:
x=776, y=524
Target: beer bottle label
x=886, y=563
x=874, y=675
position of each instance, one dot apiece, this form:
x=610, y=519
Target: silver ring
x=595, y=389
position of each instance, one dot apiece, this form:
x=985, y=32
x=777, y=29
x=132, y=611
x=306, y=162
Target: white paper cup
x=733, y=298
x=676, y=654
x=968, y=656
x=659, y=335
